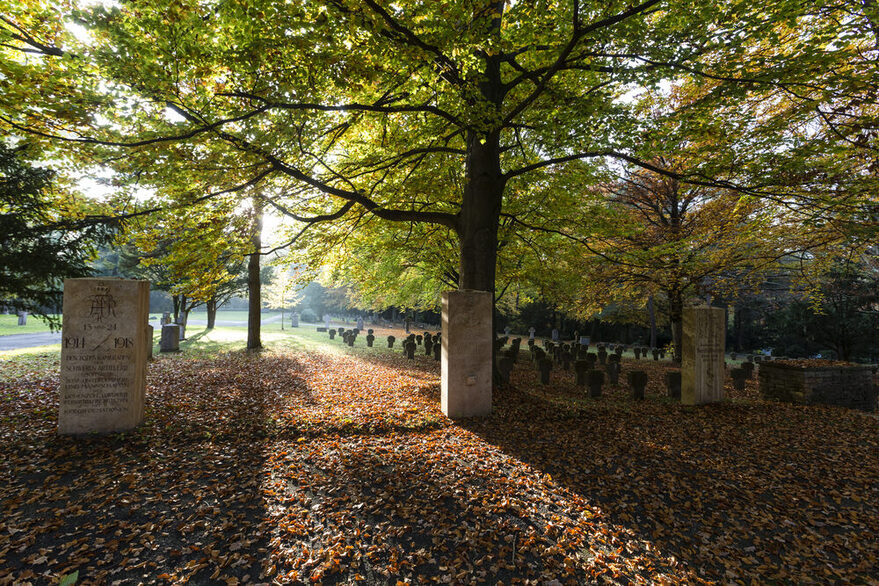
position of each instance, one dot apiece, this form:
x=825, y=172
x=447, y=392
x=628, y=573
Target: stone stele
x=103, y=355
x=703, y=346
x=465, y=389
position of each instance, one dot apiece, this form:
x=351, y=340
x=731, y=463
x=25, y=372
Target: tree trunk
x=651, y=311
x=254, y=293
x=676, y=318
x=211, y=306
x=176, y=300
x=480, y=213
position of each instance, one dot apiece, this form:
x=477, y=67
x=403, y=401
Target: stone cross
x=103, y=355
x=531, y=331
x=638, y=381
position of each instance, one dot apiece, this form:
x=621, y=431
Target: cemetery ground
x=315, y=462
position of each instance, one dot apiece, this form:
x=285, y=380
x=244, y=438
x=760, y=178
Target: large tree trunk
x=651, y=310
x=212, y=312
x=254, y=293
x=480, y=213
x=676, y=318
x=176, y=300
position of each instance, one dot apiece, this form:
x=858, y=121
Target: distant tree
x=45, y=236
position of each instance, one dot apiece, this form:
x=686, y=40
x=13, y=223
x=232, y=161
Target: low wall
x=843, y=385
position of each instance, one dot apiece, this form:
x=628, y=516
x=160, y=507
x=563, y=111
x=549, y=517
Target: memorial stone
x=702, y=366
x=22, y=318
x=544, y=365
x=739, y=376
x=332, y=333
x=369, y=340
x=638, y=382
x=581, y=367
x=531, y=331
x=166, y=318
x=103, y=359
x=391, y=340
x=595, y=378
x=294, y=320
x=673, y=383
x=437, y=350
x=505, y=367
x=170, y=340
x=465, y=388
x=360, y=325
x=555, y=335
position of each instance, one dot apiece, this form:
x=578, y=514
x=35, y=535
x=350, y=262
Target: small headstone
x=409, y=346
x=170, y=340
x=507, y=331
x=321, y=329
x=602, y=355
x=418, y=339
x=505, y=367
x=369, y=340
x=584, y=340
x=166, y=318
x=748, y=368
x=370, y=331
x=581, y=367
x=637, y=382
x=332, y=332
x=613, y=372
x=544, y=365
x=22, y=318
x=437, y=349
x=673, y=383
x=566, y=360
x=595, y=378
x=391, y=340
x=655, y=353
x=637, y=353
x=739, y=376
x=428, y=345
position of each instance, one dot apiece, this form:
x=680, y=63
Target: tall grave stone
x=103, y=355
x=22, y=318
x=466, y=353
x=702, y=366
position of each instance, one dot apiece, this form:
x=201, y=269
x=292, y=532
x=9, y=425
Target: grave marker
x=466, y=353
x=702, y=367
x=103, y=358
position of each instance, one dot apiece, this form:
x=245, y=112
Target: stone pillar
x=103, y=361
x=466, y=353
x=22, y=318
x=703, y=348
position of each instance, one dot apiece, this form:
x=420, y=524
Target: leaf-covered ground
x=298, y=467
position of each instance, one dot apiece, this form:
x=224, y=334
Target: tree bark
x=651, y=310
x=212, y=312
x=480, y=213
x=676, y=318
x=254, y=292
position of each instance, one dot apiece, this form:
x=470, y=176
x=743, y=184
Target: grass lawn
x=9, y=325
x=312, y=462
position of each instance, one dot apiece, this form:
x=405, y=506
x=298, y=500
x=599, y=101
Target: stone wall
x=845, y=386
